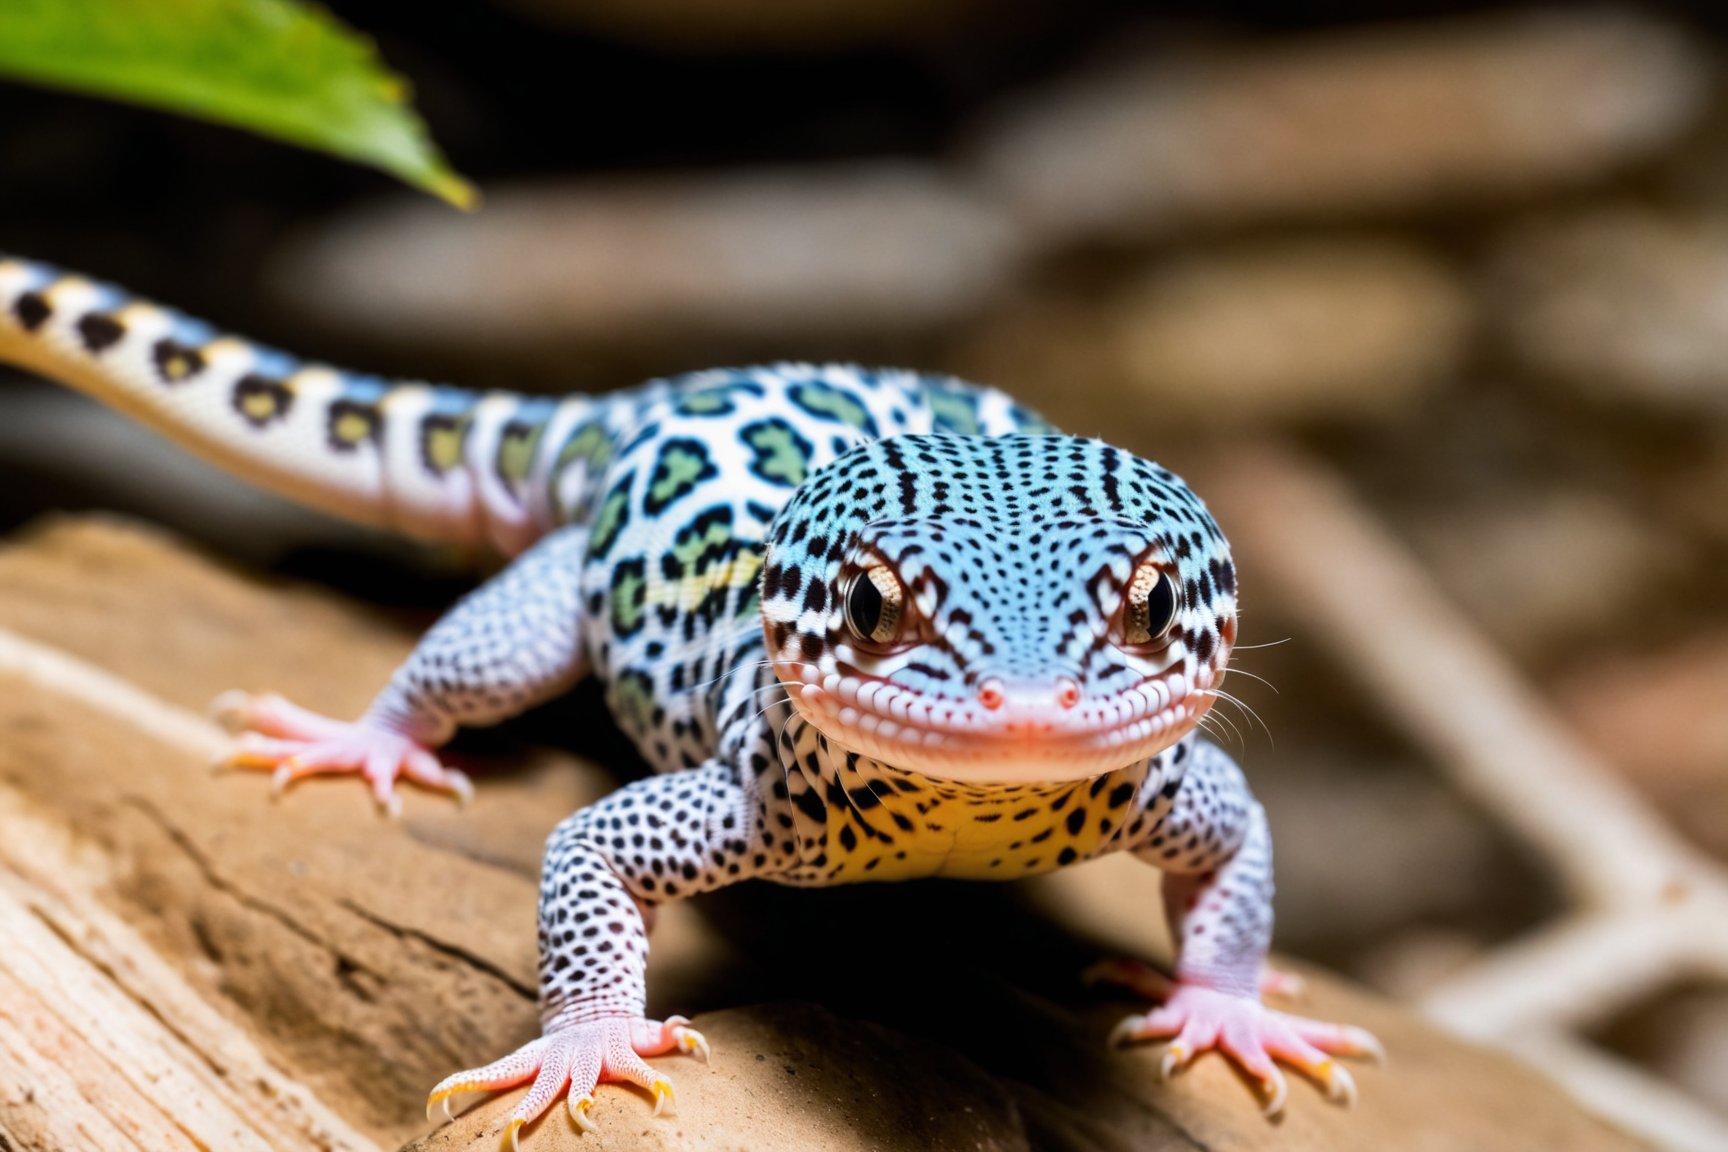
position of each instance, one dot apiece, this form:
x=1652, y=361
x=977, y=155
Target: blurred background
x=1457, y=272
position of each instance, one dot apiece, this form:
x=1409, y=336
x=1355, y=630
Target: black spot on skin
x=810, y=804
x=353, y=423
x=261, y=400
x=1205, y=646
x=1066, y=857
x=99, y=331
x=32, y=310
x=175, y=362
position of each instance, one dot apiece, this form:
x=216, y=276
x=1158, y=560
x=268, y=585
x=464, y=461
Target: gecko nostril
x=1067, y=692
x=991, y=694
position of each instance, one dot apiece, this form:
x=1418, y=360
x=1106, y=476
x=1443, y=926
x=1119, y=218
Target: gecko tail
x=489, y=469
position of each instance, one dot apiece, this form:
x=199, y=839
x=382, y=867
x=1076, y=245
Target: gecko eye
x=1151, y=606
x=874, y=604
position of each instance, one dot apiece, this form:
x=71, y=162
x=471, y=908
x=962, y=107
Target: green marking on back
x=681, y=464
x=706, y=539
x=614, y=514
x=633, y=701
x=954, y=410
x=589, y=444
x=629, y=596
x=705, y=402
x=782, y=456
x=830, y=403
x=1031, y=423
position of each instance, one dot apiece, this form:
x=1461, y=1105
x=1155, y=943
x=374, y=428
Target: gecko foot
x=1255, y=1038
x=292, y=743
x=571, y=1062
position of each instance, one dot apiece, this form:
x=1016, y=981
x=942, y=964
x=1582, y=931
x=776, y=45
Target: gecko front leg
x=607, y=867
x=1212, y=842
x=512, y=643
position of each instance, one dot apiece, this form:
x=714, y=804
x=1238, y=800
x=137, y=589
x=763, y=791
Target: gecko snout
x=1061, y=692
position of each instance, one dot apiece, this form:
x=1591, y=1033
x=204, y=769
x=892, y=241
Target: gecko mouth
x=953, y=739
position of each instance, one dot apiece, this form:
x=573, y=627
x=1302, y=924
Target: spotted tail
x=489, y=469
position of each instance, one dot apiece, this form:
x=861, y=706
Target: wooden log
x=189, y=966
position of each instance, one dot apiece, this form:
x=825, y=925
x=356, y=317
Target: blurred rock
x=1402, y=117
x=784, y=25
x=1621, y=304
x=772, y=261
x=1541, y=569
x=1660, y=718
x=1303, y=330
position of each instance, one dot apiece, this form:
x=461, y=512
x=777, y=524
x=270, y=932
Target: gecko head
x=998, y=609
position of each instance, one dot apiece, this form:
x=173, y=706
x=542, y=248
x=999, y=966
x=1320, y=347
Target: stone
x=1624, y=305
x=776, y=262
x=1339, y=329
x=1405, y=117
x=348, y=962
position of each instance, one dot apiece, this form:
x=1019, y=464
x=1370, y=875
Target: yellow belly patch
x=895, y=825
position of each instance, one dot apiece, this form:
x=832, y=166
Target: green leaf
x=280, y=68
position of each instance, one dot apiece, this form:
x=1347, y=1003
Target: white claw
x=280, y=779
x=230, y=709
x=1174, y=1058
x=1341, y=1087
x=461, y=786
x=692, y=1041
x=1124, y=1033
x=1367, y=1044
x=1280, y=1092
x=579, y=1106
x=515, y=1127
x=662, y=1095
